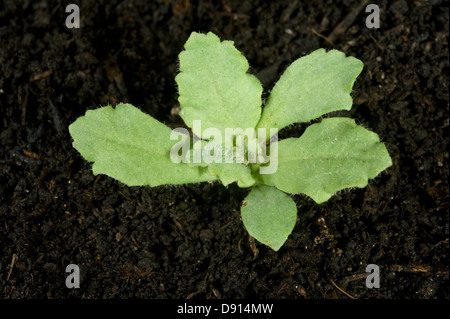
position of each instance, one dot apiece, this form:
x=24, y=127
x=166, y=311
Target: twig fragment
x=13, y=261
x=341, y=290
x=346, y=22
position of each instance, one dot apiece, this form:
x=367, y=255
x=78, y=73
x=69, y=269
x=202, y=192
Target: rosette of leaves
x=215, y=87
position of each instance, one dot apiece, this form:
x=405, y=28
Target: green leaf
x=226, y=172
x=131, y=147
x=232, y=172
x=310, y=87
x=330, y=156
x=269, y=215
x=214, y=85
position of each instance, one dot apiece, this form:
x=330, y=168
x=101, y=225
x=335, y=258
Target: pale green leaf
x=269, y=215
x=330, y=156
x=214, y=85
x=232, y=172
x=310, y=87
x=131, y=147
x=218, y=166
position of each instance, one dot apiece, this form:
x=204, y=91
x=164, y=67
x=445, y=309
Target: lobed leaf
x=329, y=156
x=310, y=87
x=131, y=147
x=214, y=85
x=269, y=215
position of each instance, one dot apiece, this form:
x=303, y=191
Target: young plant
x=217, y=94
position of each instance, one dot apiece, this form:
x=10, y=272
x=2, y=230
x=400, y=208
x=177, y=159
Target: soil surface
x=188, y=241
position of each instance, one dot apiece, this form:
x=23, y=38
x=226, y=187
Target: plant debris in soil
x=188, y=241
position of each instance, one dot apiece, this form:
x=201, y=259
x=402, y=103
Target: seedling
x=216, y=91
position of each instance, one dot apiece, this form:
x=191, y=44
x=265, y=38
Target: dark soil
x=188, y=241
